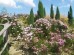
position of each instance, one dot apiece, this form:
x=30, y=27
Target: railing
x=4, y=32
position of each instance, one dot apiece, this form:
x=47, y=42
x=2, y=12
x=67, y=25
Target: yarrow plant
x=44, y=26
x=43, y=22
x=56, y=41
x=58, y=25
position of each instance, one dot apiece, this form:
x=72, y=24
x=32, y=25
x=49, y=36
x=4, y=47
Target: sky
x=24, y=6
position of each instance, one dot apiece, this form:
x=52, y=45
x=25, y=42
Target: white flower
x=43, y=22
x=12, y=28
x=29, y=34
x=17, y=31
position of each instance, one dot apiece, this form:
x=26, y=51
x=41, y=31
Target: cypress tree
x=44, y=12
x=57, y=16
x=70, y=16
x=51, y=12
x=40, y=10
x=31, y=17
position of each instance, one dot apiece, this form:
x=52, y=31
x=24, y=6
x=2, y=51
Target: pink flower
x=51, y=42
x=14, y=24
x=43, y=47
x=43, y=22
x=52, y=38
x=68, y=35
x=61, y=42
x=39, y=31
x=55, y=36
x=36, y=39
x=34, y=48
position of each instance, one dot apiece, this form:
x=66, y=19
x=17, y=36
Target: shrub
x=15, y=30
x=44, y=27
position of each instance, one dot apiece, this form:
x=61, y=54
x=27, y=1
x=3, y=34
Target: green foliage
x=1, y=27
x=31, y=17
x=1, y=40
x=36, y=17
x=6, y=51
x=51, y=12
x=57, y=16
x=39, y=43
x=70, y=16
x=15, y=30
x=41, y=13
x=53, y=28
x=54, y=48
x=68, y=42
x=4, y=21
x=40, y=10
x=0, y=20
x=44, y=12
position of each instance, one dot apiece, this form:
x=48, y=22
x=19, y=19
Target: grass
x=6, y=51
x=1, y=37
x=1, y=27
x=1, y=42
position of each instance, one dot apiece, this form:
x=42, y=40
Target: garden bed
x=49, y=37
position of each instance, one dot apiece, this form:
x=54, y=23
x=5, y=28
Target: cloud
x=19, y=6
x=13, y=3
x=54, y=6
x=30, y=2
x=68, y=0
x=65, y=6
x=62, y=0
x=27, y=2
x=71, y=1
x=9, y=3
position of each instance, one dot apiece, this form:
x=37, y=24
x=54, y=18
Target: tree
x=70, y=16
x=51, y=12
x=57, y=16
x=40, y=10
x=31, y=17
x=44, y=12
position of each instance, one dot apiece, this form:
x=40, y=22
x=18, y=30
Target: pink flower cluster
x=56, y=38
x=43, y=22
x=61, y=42
x=38, y=30
x=68, y=35
x=58, y=22
x=42, y=49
